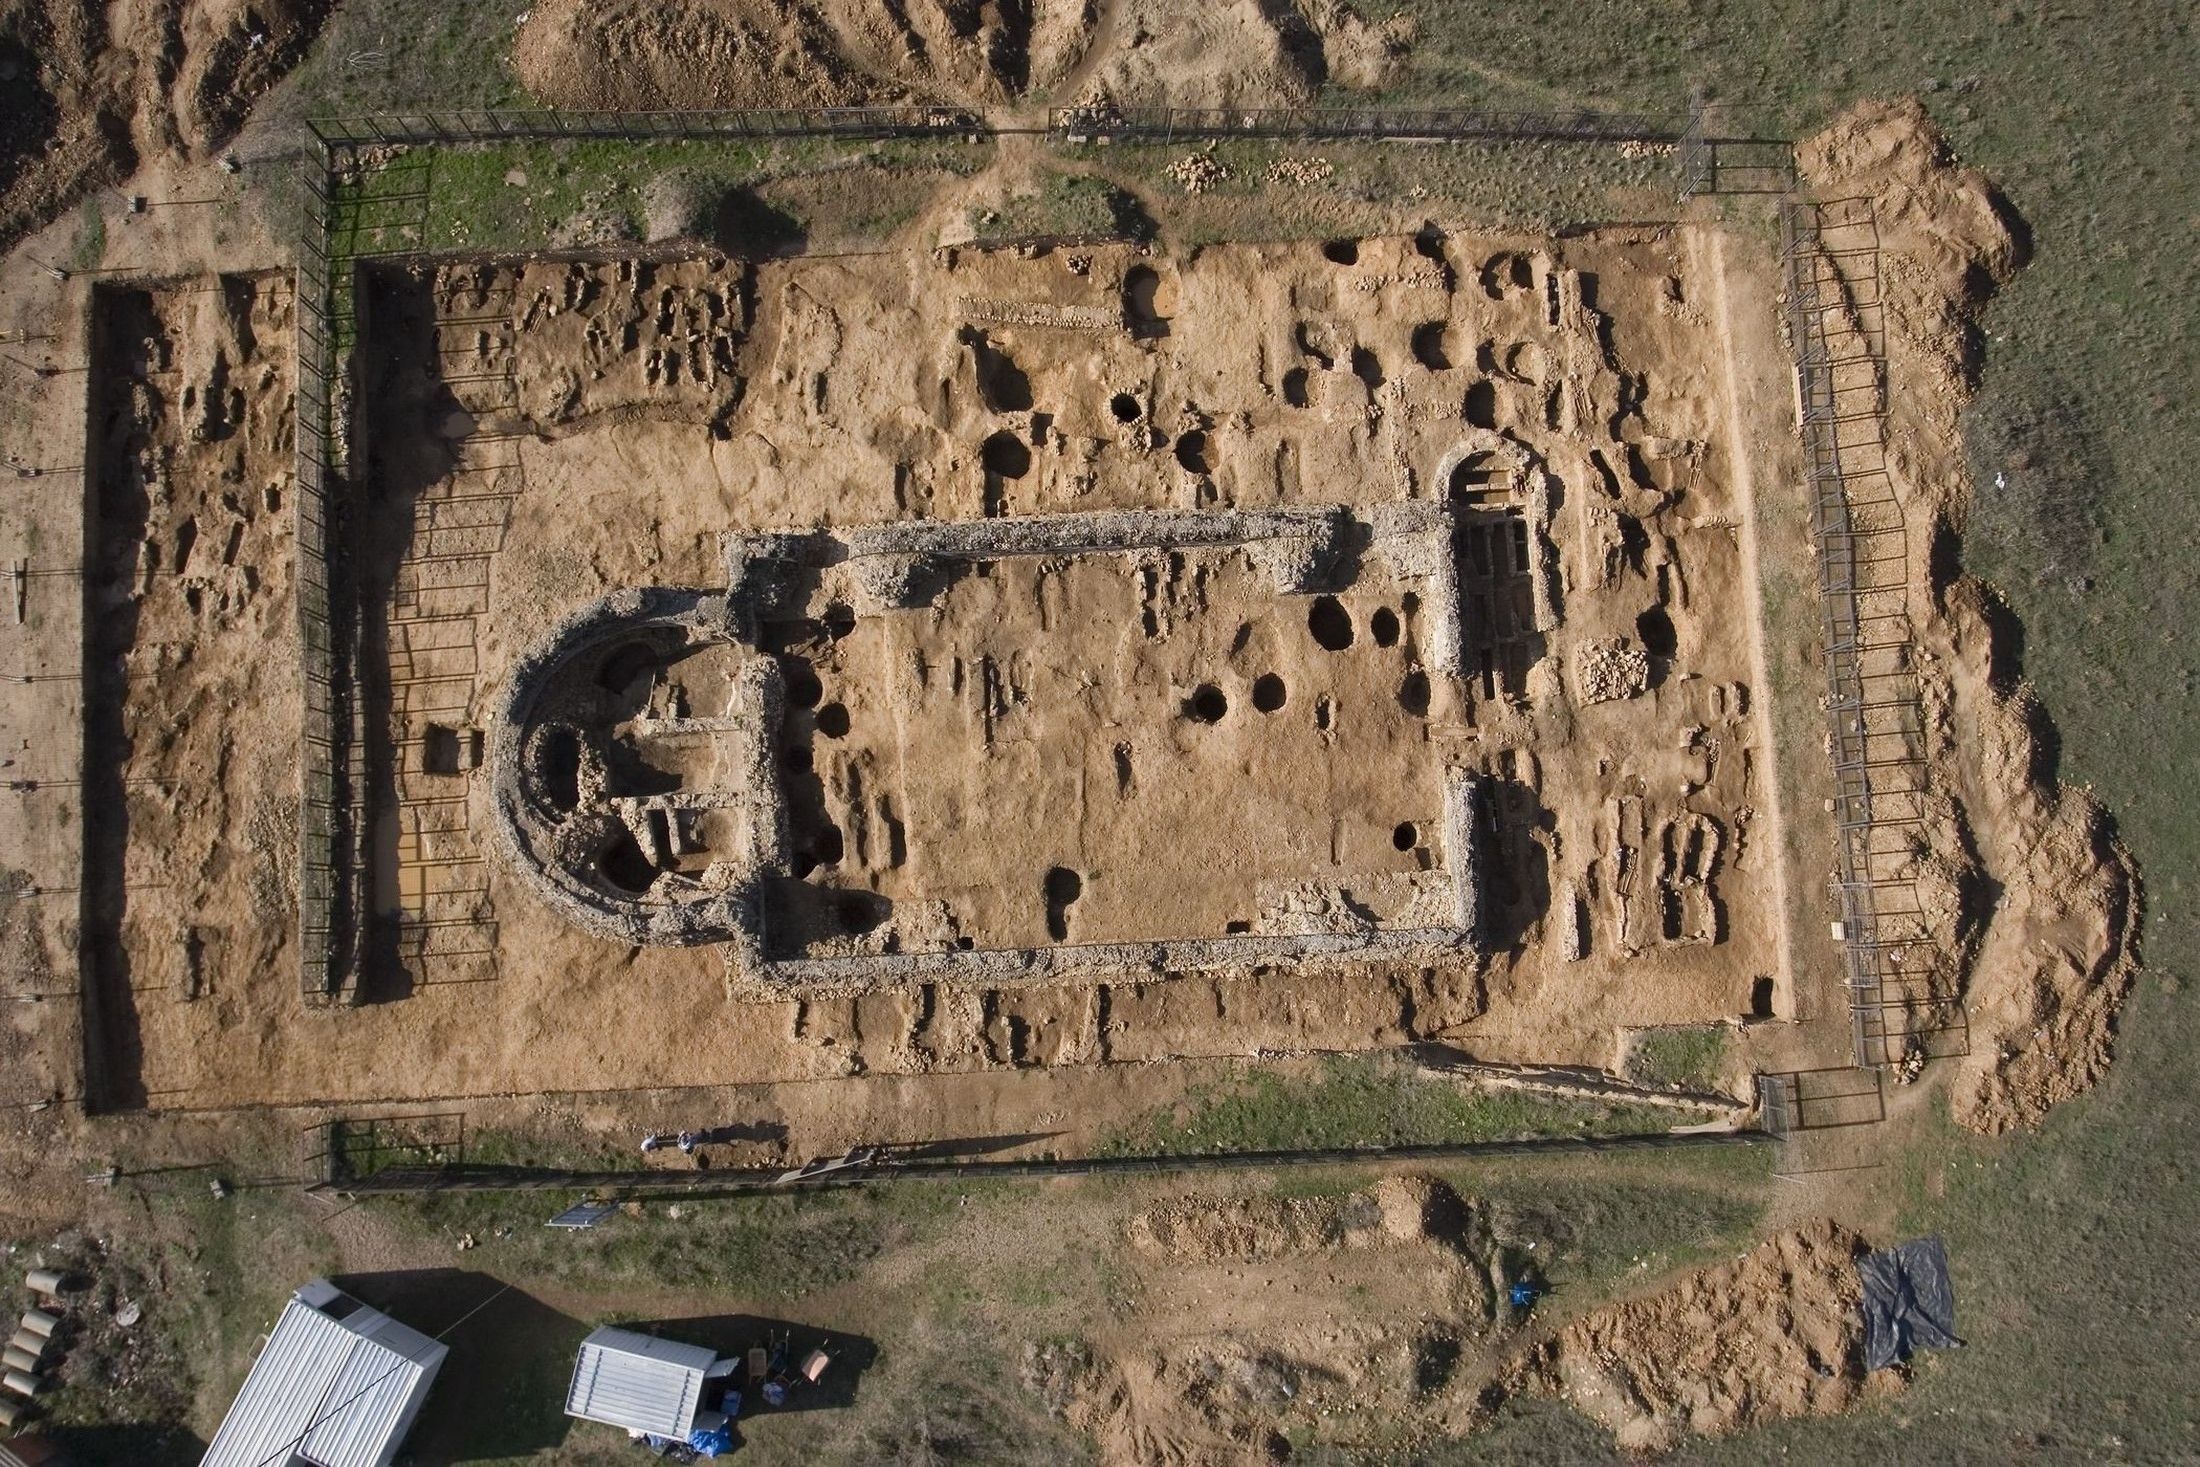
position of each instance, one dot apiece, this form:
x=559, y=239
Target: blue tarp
x=714, y=1442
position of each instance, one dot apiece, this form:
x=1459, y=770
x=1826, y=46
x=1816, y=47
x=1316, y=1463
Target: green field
x=1358, y=1100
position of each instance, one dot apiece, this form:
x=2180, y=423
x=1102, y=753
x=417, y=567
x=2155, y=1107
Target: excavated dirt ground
x=87, y=92
x=1777, y=1333
x=1379, y=1317
x=538, y=436
x=1083, y=738
x=190, y=800
x=1237, y=1332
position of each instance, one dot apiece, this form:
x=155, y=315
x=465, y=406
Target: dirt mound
x=2042, y=969
x=783, y=53
x=811, y=53
x=233, y=51
x=1355, y=51
x=1937, y=213
x=965, y=50
x=1774, y=1334
x=1400, y=1210
x=684, y=55
x=1255, y=1227
x=2060, y=951
x=1213, y=1402
x=1244, y=53
x=86, y=92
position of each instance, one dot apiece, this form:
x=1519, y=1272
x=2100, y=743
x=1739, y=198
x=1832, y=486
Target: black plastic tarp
x=1908, y=1302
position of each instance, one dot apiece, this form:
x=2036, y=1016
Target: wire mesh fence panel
x=1876, y=728
x=1171, y=124
x=320, y=741
x=1820, y=1099
x=349, y=1149
x=885, y=1166
x=1695, y=154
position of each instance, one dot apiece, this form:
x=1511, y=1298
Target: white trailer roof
x=639, y=1382
x=337, y=1385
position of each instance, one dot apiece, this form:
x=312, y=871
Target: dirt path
x=1763, y=461
x=1070, y=90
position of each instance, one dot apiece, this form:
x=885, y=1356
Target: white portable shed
x=337, y=1385
x=640, y=1382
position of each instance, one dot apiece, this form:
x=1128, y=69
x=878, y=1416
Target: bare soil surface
x=1255, y=1317
x=1777, y=1333
x=88, y=92
x=810, y=53
x=1242, y=53
x=544, y=434
x=190, y=786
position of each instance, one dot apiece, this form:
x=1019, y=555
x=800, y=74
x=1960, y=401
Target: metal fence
x=1875, y=715
x=350, y=1148
x=333, y=828
x=1066, y=124
x=322, y=821
x=1821, y=1099
x=1398, y=124
x=888, y=1167
x=487, y=125
x=1698, y=161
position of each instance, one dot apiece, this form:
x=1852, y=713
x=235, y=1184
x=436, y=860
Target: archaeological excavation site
x=977, y=656
x=882, y=600
x=1003, y=656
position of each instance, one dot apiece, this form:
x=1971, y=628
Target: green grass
x=1362, y=1101
x=522, y=197
x=90, y=245
x=400, y=56
x=1376, y=188
x=949, y=1394
x=1688, y=1059
x=1071, y=206
x=210, y=1275
x=771, y=1248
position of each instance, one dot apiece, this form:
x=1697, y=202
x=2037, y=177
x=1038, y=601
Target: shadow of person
x=766, y=1132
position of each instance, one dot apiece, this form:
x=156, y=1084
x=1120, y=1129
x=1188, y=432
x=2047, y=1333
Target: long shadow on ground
x=501, y=1392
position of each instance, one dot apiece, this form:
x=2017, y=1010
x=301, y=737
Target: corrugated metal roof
x=639, y=1382
x=335, y=1392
